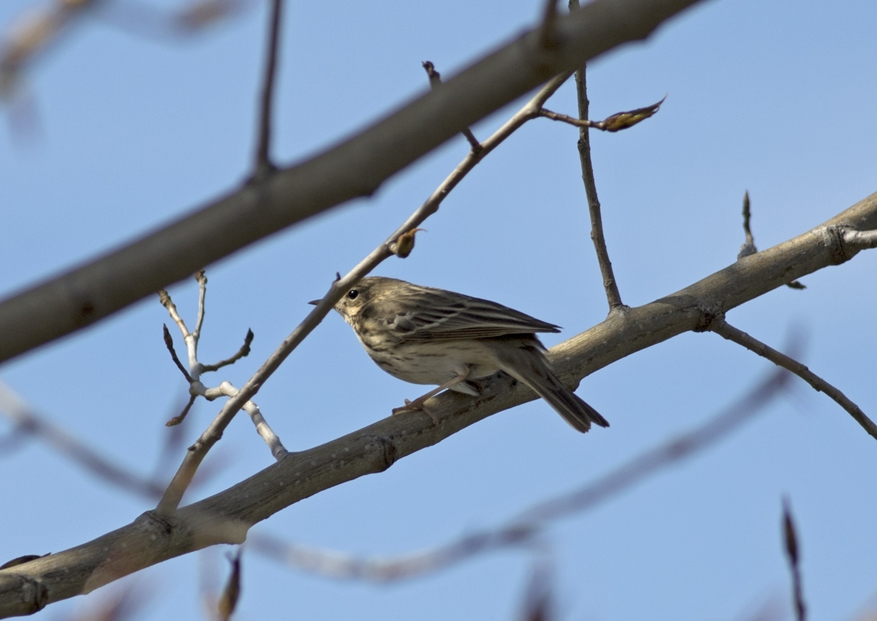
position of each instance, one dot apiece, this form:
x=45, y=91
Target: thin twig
x=179, y=418
x=526, y=529
x=174, y=493
x=243, y=351
x=613, y=296
x=748, y=246
x=793, y=553
x=612, y=123
x=725, y=330
x=264, y=166
x=435, y=81
x=169, y=343
x=201, y=277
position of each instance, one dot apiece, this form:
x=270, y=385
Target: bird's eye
x=352, y=294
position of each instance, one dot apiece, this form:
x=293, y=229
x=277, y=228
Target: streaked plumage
x=431, y=336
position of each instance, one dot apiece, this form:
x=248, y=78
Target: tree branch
x=355, y=168
x=526, y=528
x=227, y=516
x=725, y=330
x=263, y=165
x=613, y=296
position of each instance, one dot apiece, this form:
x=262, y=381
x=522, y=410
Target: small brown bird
x=431, y=336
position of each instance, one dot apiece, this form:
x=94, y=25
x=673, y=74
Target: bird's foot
x=414, y=406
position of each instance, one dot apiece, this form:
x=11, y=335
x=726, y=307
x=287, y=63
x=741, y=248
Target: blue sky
x=773, y=98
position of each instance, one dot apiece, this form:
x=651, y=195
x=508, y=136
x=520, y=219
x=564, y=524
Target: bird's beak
x=314, y=302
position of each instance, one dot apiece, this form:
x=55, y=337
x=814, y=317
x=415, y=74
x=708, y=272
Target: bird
x=424, y=335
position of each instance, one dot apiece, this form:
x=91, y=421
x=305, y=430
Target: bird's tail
x=531, y=367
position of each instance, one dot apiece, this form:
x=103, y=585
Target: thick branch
x=355, y=168
x=226, y=517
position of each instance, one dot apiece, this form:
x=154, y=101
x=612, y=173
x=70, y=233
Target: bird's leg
x=418, y=404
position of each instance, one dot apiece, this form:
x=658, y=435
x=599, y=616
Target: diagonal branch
x=355, y=168
x=725, y=330
x=530, y=525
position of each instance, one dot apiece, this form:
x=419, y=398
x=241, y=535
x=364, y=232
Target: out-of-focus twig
x=793, y=554
x=26, y=419
x=228, y=601
x=263, y=165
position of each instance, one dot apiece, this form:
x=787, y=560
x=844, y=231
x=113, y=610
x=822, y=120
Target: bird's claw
x=414, y=406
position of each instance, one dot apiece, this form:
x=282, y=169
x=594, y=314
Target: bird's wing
x=443, y=315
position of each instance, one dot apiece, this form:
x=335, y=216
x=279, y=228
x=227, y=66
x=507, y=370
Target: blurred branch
x=790, y=538
x=530, y=525
x=31, y=34
x=263, y=165
x=30, y=422
x=546, y=28
x=435, y=81
x=355, y=168
x=231, y=593
x=725, y=330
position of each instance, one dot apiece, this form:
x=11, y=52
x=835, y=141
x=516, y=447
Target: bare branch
x=613, y=296
x=725, y=330
x=264, y=166
x=169, y=343
x=173, y=495
x=614, y=123
x=179, y=418
x=529, y=525
x=201, y=278
x=748, y=246
x=226, y=517
x=355, y=168
x=26, y=418
x=860, y=240
x=243, y=351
